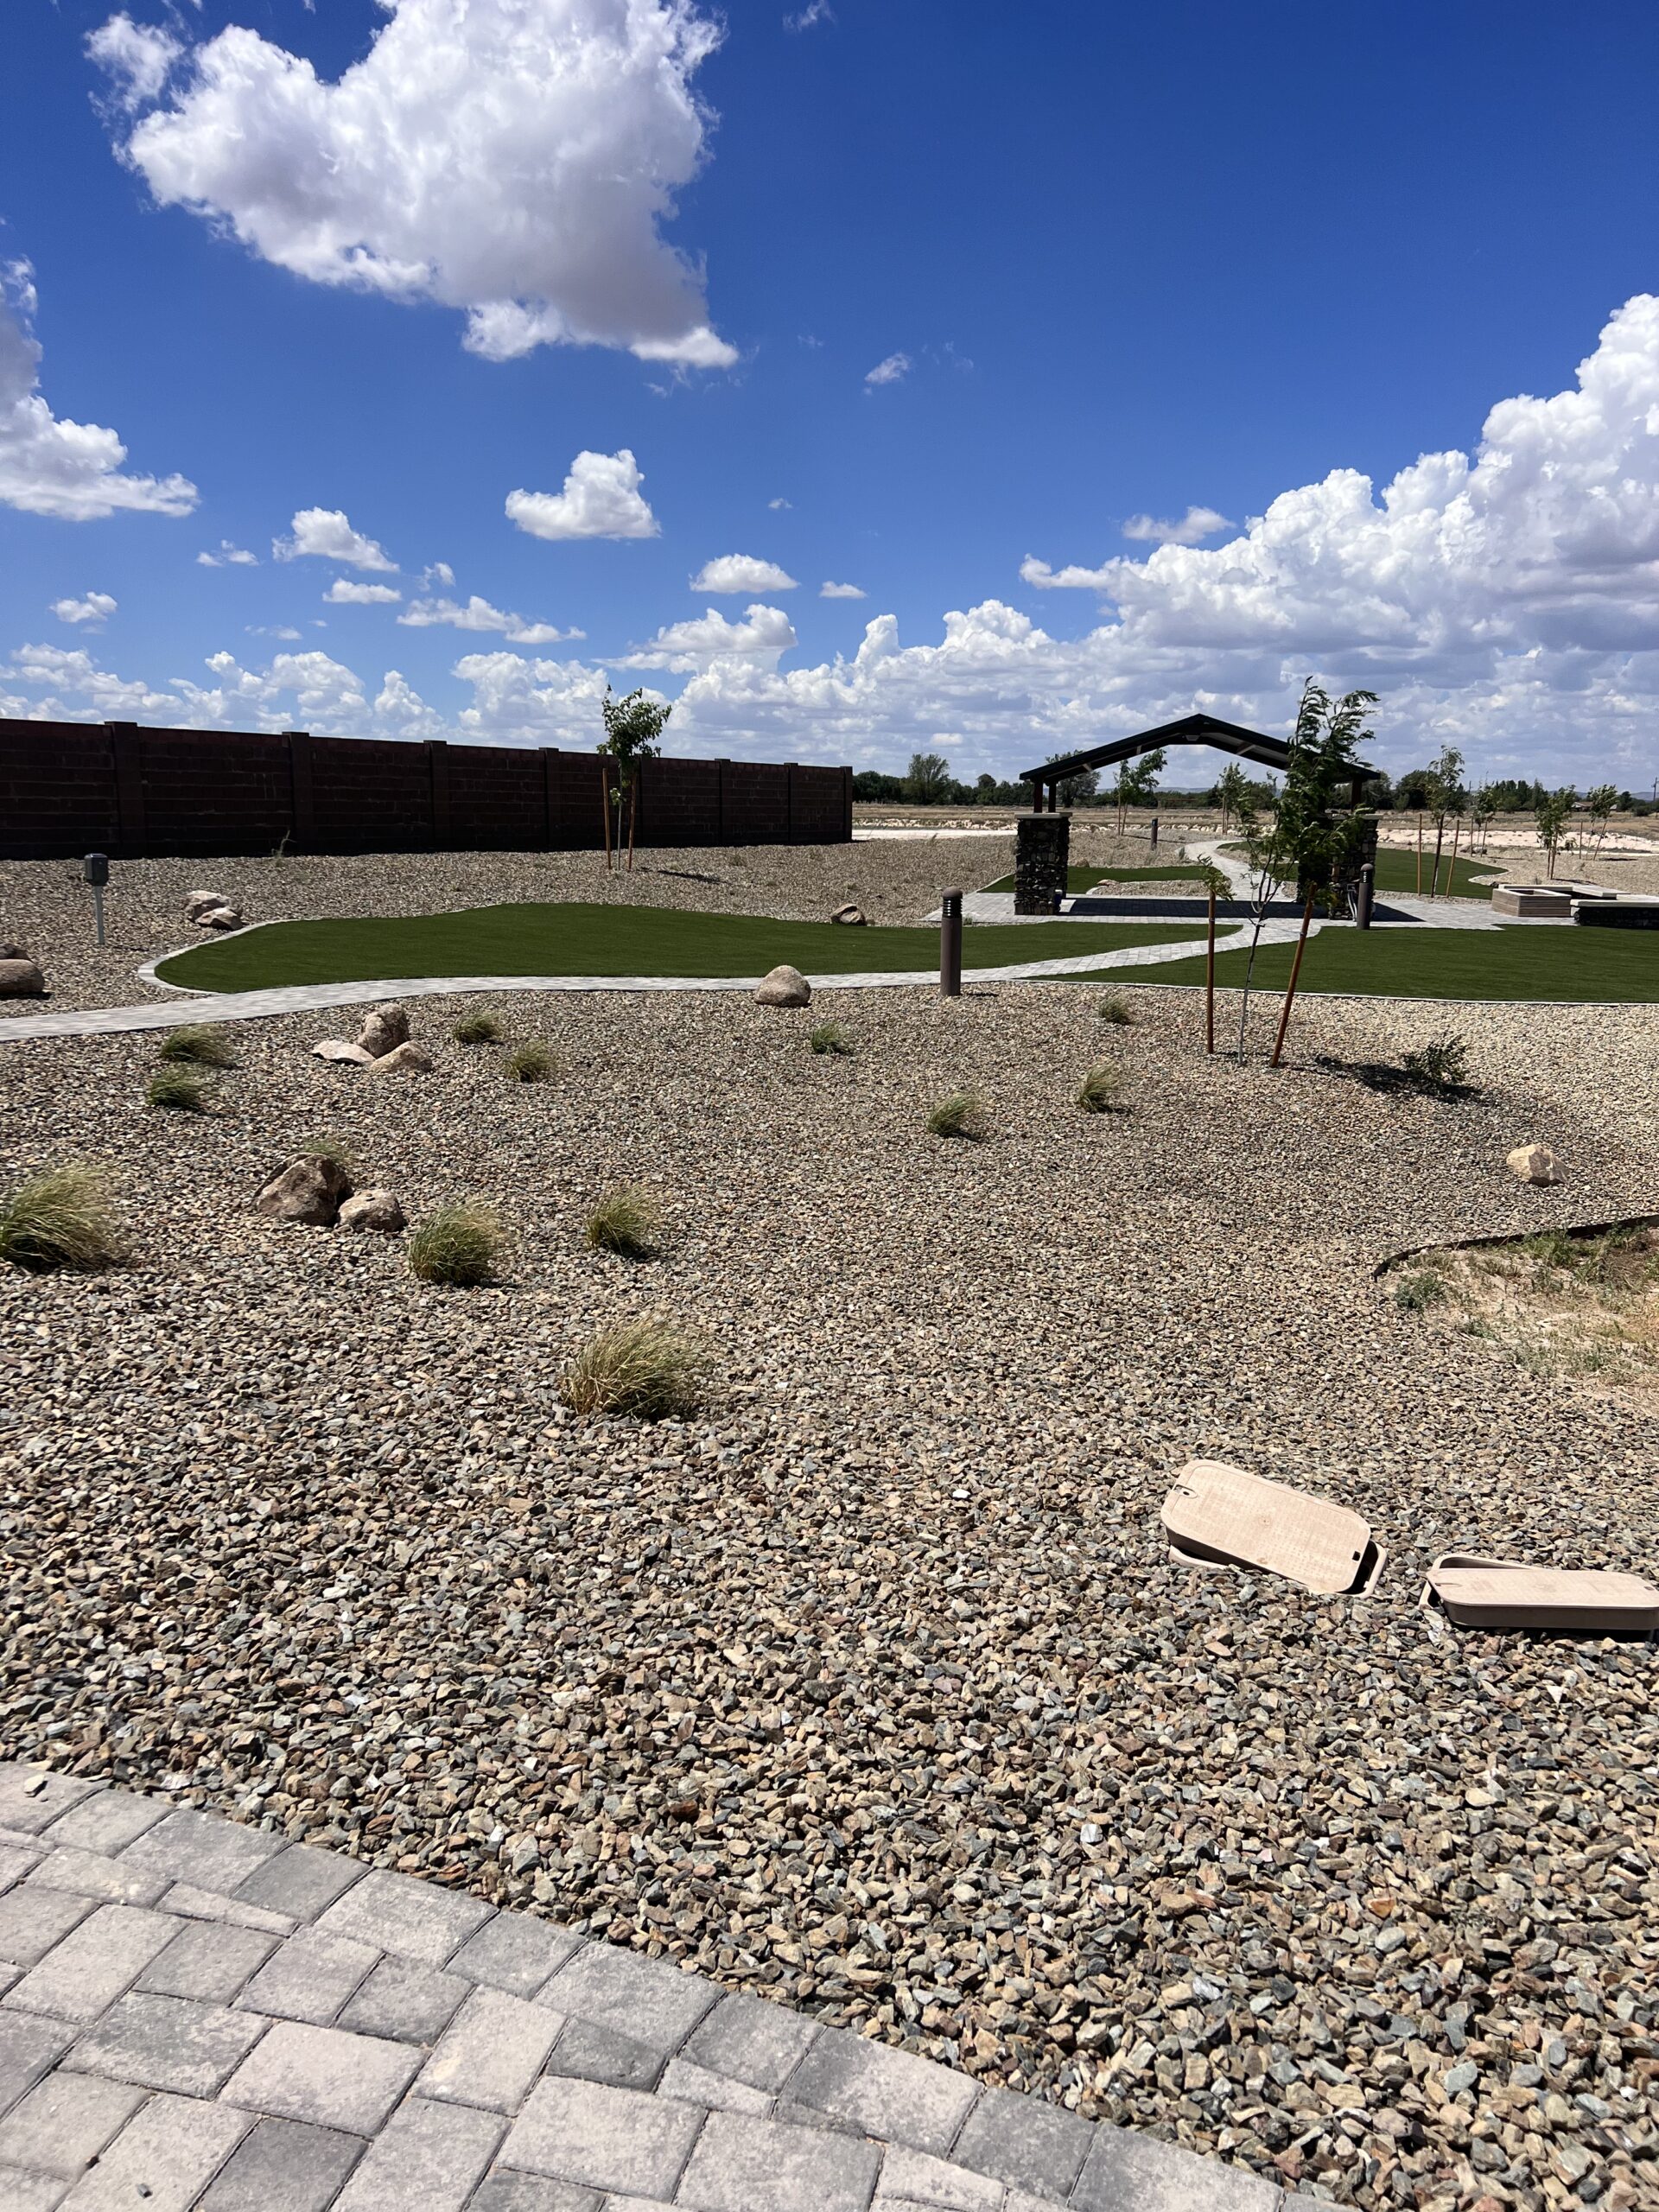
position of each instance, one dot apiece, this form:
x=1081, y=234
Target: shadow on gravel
x=1394, y=1081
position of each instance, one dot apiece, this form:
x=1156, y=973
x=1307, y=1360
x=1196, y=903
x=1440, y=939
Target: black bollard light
x=951, y=945
x=1362, y=898
x=95, y=871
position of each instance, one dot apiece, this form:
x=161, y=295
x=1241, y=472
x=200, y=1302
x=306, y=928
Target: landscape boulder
x=375, y=1209
x=309, y=1191
x=220, y=917
x=201, y=902
x=852, y=917
x=10, y=951
x=1535, y=1163
x=336, y=1048
x=784, y=986
x=402, y=1059
x=21, y=978
x=383, y=1030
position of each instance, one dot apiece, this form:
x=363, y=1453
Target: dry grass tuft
x=531, y=1062
x=628, y=1221
x=461, y=1246
x=179, y=1090
x=962, y=1114
x=650, y=1369
x=1116, y=1009
x=200, y=1045
x=1101, y=1090
x=481, y=1028
x=830, y=1037
x=61, y=1219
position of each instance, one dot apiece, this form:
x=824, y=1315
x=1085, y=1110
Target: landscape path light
x=95, y=870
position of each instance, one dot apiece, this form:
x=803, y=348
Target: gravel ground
x=872, y=1688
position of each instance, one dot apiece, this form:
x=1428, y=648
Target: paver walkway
x=197, y=2013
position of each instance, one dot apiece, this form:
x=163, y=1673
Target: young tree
x=1600, y=804
x=1232, y=792
x=633, y=732
x=1080, y=790
x=1482, y=807
x=1552, y=813
x=1444, y=791
x=928, y=781
x=1136, y=783
x=1313, y=841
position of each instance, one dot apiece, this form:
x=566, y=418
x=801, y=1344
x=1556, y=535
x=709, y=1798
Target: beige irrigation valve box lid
x=1218, y=1512
x=1480, y=1592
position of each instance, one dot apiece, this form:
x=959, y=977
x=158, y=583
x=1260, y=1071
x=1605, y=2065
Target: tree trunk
x=1451, y=865
x=605, y=812
x=1209, y=980
x=633, y=816
x=1290, y=989
x=1440, y=839
x=1419, y=854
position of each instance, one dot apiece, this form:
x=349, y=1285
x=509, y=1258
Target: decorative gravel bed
x=872, y=1686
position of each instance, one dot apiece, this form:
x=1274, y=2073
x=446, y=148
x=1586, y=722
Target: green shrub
x=1102, y=1090
x=179, y=1090
x=1115, y=1009
x=531, y=1062
x=61, y=1219
x=1441, y=1065
x=647, y=1368
x=626, y=1221
x=961, y=1114
x=481, y=1028
x=830, y=1037
x=1416, y=1292
x=460, y=1245
x=199, y=1042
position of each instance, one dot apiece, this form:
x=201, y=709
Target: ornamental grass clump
x=650, y=1369
x=482, y=1028
x=179, y=1090
x=961, y=1114
x=531, y=1062
x=460, y=1246
x=1115, y=1009
x=626, y=1221
x=200, y=1045
x=61, y=1219
x=1101, y=1090
x=830, y=1037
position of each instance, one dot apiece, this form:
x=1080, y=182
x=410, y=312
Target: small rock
x=336, y=1048
x=375, y=1209
x=1460, y=2078
x=402, y=1059
x=203, y=902
x=21, y=978
x=9, y=951
x=784, y=986
x=854, y=916
x=1534, y=1163
x=384, y=1031
x=220, y=917
x=309, y=1191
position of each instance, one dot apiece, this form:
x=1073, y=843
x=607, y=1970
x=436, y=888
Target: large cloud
x=761, y=638
x=513, y=158
x=601, y=498
x=50, y=465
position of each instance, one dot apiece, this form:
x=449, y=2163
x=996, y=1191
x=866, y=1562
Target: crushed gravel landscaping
x=871, y=1685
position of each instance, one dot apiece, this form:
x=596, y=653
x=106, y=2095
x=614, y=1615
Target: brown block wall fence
x=68, y=788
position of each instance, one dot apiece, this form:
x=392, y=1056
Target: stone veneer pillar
x=1041, y=858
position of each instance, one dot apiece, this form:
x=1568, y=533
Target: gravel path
x=872, y=1688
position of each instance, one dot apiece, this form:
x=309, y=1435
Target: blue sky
x=1205, y=267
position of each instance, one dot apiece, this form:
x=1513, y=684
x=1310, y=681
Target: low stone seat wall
x=1539, y=901
x=1620, y=914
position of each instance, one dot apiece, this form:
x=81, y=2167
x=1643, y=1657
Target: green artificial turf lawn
x=1402, y=961
x=1085, y=879
x=584, y=939
x=1397, y=870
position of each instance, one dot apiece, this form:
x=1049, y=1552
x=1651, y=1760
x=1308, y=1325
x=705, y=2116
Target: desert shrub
x=1441, y=1065
x=481, y=1027
x=61, y=1219
x=200, y=1044
x=460, y=1245
x=961, y=1114
x=648, y=1368
x=531, y=1062
x=1101, y=1089
x=830, y=1037
x=179, y=1090
x=627, y=1220
x=1115, y=1009
x=1415, y=1294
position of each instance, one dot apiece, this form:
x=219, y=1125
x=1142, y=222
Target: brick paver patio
x=193, y=2013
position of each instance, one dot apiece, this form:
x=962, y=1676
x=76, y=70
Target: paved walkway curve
x=195, y=2013
x=306, y=998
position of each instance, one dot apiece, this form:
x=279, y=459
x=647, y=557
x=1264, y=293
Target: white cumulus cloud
x=94, y=610
x=741, y=572
x=681, y=647
x=840, y=591
x=1196, y=524
x=515, y=159
x=344, y=593
x=324, y=534
x=48, y=465
x=228, y=557
x=896, y=367
x=601, y=498
x=479, y=614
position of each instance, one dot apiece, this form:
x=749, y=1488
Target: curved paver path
x=200, y=2014
x=253, y=1005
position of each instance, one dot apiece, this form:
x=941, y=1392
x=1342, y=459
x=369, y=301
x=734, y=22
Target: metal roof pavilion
x=1191, y=729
